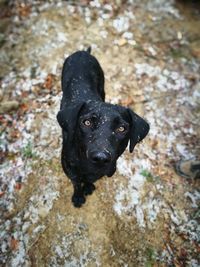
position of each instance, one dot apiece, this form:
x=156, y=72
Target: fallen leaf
x=24, y=10
x=49, y=81
x=24, y=94
x=14, y=243
x=154, y=143
x=18, y=186
x=2, y=193
x=3, y=156
x=24, y=107
x=127, y=101
x=14, y=134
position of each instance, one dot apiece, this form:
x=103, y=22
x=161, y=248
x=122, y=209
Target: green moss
x=150, y=257
x=27, y=151
x=149, y=177
x=178, y=53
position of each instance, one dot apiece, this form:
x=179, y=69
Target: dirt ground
x=145, y=215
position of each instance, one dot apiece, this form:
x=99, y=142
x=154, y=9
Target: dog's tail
x=89, y=49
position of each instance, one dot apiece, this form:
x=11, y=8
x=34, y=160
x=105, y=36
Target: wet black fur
x=90, y=152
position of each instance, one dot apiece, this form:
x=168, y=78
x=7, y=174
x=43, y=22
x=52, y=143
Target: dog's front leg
x=88, y=188
x=78, y=197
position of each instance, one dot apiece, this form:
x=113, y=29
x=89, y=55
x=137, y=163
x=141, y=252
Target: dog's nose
x=101, y=157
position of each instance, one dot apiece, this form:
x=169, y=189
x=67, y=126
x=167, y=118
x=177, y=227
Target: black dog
x=95, y=133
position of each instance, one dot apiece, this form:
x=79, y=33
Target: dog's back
x=82, y=74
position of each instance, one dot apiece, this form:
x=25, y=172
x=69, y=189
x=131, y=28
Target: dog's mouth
x=111, y=171
x=106, y=169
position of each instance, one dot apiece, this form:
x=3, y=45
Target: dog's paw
x=78, y=200
x=88, y=189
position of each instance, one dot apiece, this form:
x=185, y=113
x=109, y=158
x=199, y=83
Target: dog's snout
x=100, y=157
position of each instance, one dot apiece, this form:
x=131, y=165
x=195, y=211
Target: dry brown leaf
x=24, y=10
x=127, y=101
x=14, y=243
x=24, y=94
x=2, y=193
x=14, y=134
x=154, y=143
x=49, y=81
x=18, y=186
x=24, y=107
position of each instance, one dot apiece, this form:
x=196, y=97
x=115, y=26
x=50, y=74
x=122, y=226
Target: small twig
x=36, y=240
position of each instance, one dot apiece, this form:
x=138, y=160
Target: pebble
x=8, y=106
x=122, y=42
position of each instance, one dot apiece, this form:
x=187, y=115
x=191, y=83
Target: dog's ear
x=139, y=129
x=67, y=117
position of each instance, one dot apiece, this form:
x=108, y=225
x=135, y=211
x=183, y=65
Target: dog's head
x=101, y=132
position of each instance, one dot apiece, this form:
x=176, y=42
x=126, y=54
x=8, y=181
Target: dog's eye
x=87, y=123
x=121, y=129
